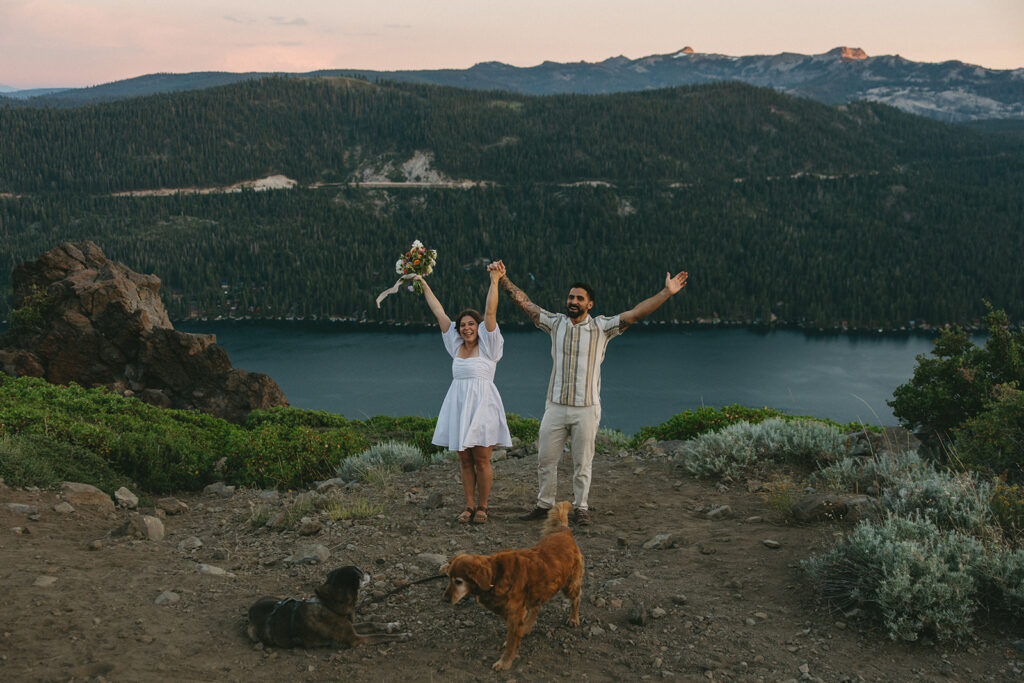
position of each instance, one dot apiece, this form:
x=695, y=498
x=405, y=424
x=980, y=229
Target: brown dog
x=515, y=583
x=328, y=620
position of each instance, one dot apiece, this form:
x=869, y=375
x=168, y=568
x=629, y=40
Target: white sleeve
x=452, y=340
x=492, y=344
x=610, y=325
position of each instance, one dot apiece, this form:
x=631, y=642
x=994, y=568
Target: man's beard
x=573, y=310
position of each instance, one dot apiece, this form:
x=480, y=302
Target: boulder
x=98, y=323
x=821, y=506
x=85, y=495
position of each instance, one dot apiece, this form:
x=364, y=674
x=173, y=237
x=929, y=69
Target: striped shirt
x=577, y=352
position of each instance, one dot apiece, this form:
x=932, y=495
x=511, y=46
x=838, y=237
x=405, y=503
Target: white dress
x=472, y=413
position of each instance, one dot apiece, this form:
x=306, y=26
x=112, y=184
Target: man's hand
x=643, y=309
x=675, y=283
x=496, y=270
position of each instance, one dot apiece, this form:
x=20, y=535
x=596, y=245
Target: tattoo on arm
x=519, y=297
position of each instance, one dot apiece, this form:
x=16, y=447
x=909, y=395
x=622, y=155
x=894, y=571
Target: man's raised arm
x=643, y=309
x=517, y=295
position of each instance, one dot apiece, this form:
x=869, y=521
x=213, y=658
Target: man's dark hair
x=585, y=287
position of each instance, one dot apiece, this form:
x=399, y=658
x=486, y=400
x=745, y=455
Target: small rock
x=190, y=543
x=171, y=506
x=21, y=530
x=167, y=598
x=658, y=613
x=432, y=560
x=309, y=527
x=309, y=555
x=660, y=542
x=329, y=485
x=145, y=527
x=638, y=615
x=435, y=501
x=44, y=581
x=278, y=521
x=219, y=488
x=720, y=512
x=20, y=509
x=63, y=508
x=126, y=498
x=95, y=545
x=769, y=543
x=756, y=519
x=679, y=599
x=211, y=570
x=595, y=631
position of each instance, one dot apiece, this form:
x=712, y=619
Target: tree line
x=780, y=208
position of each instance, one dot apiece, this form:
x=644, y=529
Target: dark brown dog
x=328, y=620
x=515, y=583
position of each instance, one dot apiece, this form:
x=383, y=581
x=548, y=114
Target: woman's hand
x=496, y=270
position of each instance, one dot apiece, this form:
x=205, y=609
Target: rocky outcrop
x=88, y=320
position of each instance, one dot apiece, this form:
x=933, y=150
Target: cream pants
x=560, y=424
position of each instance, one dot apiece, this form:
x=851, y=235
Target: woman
x=472, y=419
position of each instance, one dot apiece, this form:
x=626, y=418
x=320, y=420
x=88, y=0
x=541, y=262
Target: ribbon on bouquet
x=394, y=288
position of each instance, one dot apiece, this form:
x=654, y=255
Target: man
x=573, y=405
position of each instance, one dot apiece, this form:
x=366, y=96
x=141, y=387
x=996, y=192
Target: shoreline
x=349, y=324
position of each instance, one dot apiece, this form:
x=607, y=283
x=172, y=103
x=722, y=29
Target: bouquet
x=417, y=261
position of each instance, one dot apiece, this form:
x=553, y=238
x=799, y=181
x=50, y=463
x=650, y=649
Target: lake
x=649, y=374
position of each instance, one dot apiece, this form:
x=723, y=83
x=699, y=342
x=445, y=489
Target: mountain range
x=951, y=91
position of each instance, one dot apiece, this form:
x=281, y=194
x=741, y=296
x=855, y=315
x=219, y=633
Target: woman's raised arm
x=435, y=306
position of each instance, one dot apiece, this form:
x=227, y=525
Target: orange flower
x=416, y=262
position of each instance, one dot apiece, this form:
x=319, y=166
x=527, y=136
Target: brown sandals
x=480, y=516
x=466, y=516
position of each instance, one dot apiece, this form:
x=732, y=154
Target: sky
x=75, y=43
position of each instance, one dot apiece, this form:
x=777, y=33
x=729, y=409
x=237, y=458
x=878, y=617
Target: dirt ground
x=720, y=603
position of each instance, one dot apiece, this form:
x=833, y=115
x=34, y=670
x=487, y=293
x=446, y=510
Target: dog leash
x=403, y=587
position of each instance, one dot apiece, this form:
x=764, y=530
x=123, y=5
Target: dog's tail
x=558, y=518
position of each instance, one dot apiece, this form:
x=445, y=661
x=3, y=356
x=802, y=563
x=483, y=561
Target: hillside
x=781, y=208
x=948, y=91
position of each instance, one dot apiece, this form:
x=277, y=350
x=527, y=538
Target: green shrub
x=1001, y=581
x=690, y=424
x=951, y=500
x=916, y=579
x=282, y=456
x=296, y=417
x=993, y=440
x=859, y=473
x=382, y=460
x=34, y=308
x=526, y=429
x=959, y=380
x=37, y=460
x=415, y=430
x=741, y=446
x=1007, y=506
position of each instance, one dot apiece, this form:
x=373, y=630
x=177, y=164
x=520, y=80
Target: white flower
x=417, y=244
x=398, y=266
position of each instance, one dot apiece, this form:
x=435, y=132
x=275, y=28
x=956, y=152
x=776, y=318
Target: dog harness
x=291, y=621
